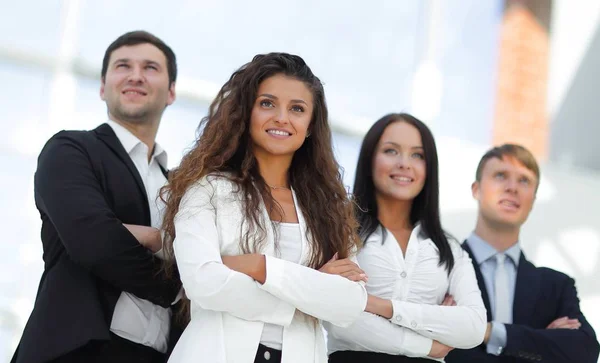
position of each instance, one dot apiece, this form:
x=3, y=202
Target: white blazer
x=229, y=308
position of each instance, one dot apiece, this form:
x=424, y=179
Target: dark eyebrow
x=398, y=146
x=267, y=95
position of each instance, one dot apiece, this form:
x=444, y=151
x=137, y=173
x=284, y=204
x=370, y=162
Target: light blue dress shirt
x=484, y=254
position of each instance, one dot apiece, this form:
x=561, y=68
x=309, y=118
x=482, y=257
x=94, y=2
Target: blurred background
x=478, y=72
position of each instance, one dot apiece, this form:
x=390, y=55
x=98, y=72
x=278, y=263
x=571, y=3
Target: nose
x=136, y=75
x=511, y=185
x=403, y=162
x=282, y=116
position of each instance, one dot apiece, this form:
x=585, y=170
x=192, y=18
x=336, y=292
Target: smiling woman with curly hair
x=260, y=224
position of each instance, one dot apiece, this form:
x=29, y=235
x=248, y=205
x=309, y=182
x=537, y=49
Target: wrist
x=379, y=306
x=488, y=331
x=259, y=267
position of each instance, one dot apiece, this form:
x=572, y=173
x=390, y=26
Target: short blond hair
x=518, y=152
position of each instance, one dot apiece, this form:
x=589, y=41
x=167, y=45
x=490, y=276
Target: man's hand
x=564, y=323
x=439, y=350
x=148, y=237
x=345, y=268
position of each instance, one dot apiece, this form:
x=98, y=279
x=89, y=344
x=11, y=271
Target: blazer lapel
x=526, y=290
x=107, y=135
x=480, y=281
x=303, y=231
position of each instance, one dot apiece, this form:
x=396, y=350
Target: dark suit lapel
x=480, y=281
x=107, y=135
x=526, y=291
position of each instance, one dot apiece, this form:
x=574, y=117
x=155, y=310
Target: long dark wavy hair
x=225, y=148
x=426, y=205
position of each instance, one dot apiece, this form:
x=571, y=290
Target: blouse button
x=403, y=274
x=413, y=324
x=399, y=318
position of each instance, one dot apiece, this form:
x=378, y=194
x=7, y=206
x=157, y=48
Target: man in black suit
x=102, y=296
x=533, y=312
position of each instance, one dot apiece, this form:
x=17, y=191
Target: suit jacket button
x=267, y=355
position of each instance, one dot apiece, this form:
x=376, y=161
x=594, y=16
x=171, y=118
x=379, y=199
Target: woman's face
x=281, y=116
x=399, y=165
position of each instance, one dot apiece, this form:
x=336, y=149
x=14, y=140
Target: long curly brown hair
x=225, y=148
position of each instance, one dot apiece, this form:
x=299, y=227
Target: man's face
x=136, y=87
x=506, y=192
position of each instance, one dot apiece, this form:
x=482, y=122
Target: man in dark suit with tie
x=102, y=296
x=533, y=312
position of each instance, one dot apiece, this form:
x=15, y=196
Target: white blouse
x=289, y=249
x=416, y=284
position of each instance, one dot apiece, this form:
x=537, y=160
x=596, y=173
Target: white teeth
x=277, y=132
x=402, y=178
x=133, y=92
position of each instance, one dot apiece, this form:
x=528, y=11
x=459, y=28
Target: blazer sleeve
x=206, y=280
x=374, y=333
x=332, y=298
x=462, y=326
x=555, y=345
x=70, y=196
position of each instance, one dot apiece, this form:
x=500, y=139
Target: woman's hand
x=252, y=264
x=448, y=301
x=345, y=268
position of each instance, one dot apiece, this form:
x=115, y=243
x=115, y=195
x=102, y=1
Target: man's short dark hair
x=142, y=37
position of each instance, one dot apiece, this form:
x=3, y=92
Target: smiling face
x=281, y=116
x=399, y=166
x=506, y=192
x=136, y=86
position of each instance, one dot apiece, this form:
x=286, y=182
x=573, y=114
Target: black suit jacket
x=86, y=187
x=541, y=296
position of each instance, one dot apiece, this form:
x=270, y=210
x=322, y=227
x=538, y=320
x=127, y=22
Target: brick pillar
x=521, y=114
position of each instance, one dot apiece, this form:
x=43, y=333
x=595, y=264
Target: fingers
x=354, y=276
x=341, y=266
x=564, y=323
x=448, y=301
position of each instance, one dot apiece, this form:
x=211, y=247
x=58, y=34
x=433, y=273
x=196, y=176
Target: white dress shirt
x=230, y=309
x=416, y=285
x=136, y=319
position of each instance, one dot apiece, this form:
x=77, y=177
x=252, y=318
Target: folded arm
x=70, y=196
x=374, y=333
x=207, y=281
x=555, y=345
x=462, y=326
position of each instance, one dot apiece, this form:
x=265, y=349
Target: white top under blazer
x=228, y=308
x=416, y=284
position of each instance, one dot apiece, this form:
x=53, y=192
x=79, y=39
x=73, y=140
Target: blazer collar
x=526, y=288
x=480, y=281
x=526, y=291
x=106, y=134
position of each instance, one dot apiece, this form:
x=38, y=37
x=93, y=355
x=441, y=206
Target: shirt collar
x=130, y=142
x=482, y=251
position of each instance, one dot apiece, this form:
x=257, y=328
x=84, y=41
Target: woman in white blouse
x=260, y=224
x=421, y=284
